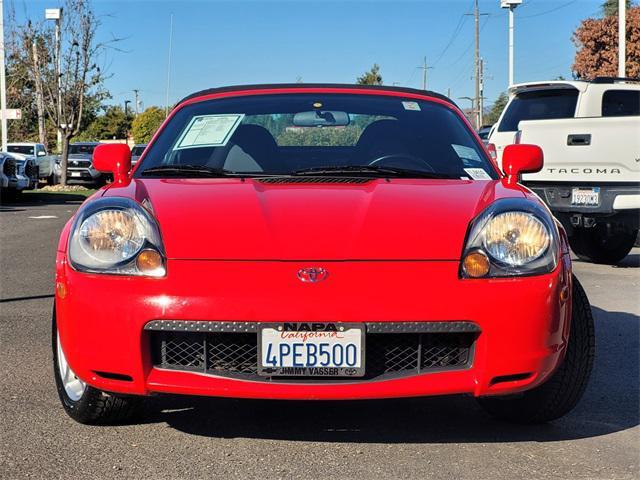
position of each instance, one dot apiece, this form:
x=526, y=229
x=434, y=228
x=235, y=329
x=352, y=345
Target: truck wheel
x=594, y=245
x=84, y=403
x=562, y=391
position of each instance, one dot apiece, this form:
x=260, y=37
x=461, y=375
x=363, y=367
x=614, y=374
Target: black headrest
x=254, y=140
x=382, y=137
x=380, y=130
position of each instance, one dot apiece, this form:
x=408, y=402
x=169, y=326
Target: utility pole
x=622, y=38
x=126, y=107
x=424, y=68
x=42, y=137
x=477, y=62
x=3, y=82
x=477, y=15
x=481, y=96
x=166, y=105
x=136, y=105
x=511, y=5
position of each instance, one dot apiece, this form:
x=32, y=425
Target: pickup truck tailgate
x=605, y=149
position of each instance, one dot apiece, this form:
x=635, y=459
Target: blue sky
x=219, y=43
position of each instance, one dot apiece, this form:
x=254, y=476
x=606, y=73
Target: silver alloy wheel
x=72, y=384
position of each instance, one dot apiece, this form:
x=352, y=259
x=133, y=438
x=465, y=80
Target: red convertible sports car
x=318, y=242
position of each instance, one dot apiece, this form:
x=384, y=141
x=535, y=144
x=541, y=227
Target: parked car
x=590, y=134
x=80, y=169
x=318, y=242
x=16, y=175
x=37, y=152
x=136, y=152
x=483, y=133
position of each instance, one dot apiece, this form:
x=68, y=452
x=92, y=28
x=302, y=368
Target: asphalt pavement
x=187, y=437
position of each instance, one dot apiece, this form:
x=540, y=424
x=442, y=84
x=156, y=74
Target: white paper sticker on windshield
x=466, y=152
x=411, y=106
x=477, y=173
x=209, y=130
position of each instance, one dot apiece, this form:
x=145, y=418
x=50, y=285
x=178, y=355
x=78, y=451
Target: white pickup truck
x=38, y=153
x=590, y=135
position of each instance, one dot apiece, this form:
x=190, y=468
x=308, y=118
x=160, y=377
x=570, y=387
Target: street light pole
x=3, y=85
x=622, y=38
x=510, y=45
x=56, y=14
x=166, y=104
x=511, y=5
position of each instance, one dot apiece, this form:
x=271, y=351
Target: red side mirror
x=113, y=158
x=519, y=159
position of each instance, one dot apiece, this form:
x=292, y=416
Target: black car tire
x=94, y=407
x=594, y=245
x=563, y=390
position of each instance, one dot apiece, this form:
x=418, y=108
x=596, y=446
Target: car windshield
x=81, y=149
x=340, y=134
x=23, y=149
x=539, y=105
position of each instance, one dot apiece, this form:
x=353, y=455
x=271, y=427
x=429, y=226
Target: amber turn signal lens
x=149, y=261
x=476, y=264
x=61, y=289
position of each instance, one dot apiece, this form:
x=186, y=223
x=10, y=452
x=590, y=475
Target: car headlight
x=118, y=236
x=511, y=237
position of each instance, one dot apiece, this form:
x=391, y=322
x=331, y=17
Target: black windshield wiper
x=370, y=170
x=186, y=171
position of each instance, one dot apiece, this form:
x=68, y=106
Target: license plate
x=311, y=350
x=75, y=174
x=585, y=196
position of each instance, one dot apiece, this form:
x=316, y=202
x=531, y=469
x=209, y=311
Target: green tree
x=496, y=110
x=113, y=124
x=145, y=125
x=372, y=77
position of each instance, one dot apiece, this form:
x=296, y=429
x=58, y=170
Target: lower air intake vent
x=235, y=354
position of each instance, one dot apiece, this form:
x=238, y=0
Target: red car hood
x=231, y=219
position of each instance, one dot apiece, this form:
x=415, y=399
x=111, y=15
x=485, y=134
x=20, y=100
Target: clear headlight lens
x=110, y=234
x=511, y=237
x=515, y=238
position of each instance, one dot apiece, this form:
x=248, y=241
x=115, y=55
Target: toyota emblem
x=312, y=274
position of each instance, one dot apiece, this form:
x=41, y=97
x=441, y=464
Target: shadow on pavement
x=611, y=404
x=38, y=198
x=630, y=261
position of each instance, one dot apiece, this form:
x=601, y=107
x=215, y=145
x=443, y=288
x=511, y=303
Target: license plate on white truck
x=311, y=350
x=585, y=196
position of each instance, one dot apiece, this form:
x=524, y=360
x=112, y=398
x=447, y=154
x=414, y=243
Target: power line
x=456, y=32
x=549, y=11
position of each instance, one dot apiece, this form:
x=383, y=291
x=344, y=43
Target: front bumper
x=82, y=175
x=523, y=323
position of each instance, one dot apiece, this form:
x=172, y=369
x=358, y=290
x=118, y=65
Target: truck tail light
x=492, y=151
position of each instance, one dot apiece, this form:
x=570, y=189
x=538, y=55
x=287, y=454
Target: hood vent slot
x=311, y=179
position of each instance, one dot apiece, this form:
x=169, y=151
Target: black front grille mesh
x=229, y=354
x=31, y=170
x=232, y=352
x=9, y=167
